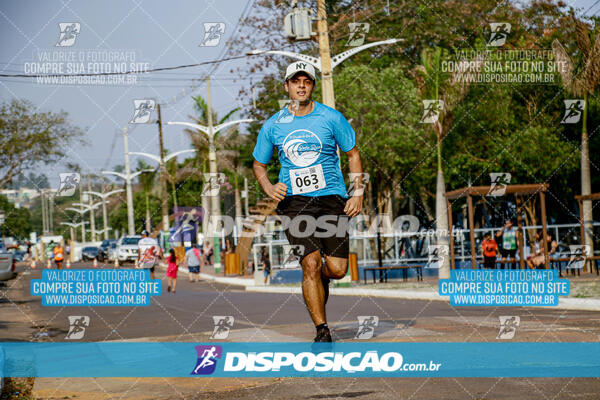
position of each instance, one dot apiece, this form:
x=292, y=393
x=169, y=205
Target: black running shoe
x=323, y=335
x=325, y=281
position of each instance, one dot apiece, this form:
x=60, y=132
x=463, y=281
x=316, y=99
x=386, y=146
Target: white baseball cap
x=300, y=66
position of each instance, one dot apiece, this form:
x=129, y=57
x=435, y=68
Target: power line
x=129, y=72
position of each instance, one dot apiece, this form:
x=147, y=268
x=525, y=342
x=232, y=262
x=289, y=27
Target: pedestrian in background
x=193, y=261
x=509, y=242
x=172, y=268
x=489, y=248
x=266, y=267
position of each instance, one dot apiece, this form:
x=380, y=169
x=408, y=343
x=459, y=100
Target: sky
x=150, y=33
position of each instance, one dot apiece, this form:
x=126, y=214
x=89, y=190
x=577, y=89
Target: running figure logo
x=578, y=255
x=437, y=255
x=212, y=33
x=500, y=31
x=366, y=326
x=212, y=183
x=358, y=32
x=143, y=111
x=431, y=111
x=69, y=182
x=284, y=117
x=294, y=253
x=77, y=325
x=207, y=359
x=355, y=178
x=508, y=327
x=573, y=111
x=499, y=182
x=68, y=33
x=223, y=325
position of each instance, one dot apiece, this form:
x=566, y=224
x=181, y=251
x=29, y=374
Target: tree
x=581, y=77
x=29, y=138
x=435, y=84
x=17, y=221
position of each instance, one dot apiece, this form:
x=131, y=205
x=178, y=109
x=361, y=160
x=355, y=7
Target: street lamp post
x=128, y=177
x=162, y=161
x=74, y=226
x=130, y=223
x=104, y=196
x=80, y=212
x=90, y=207
x=326, y=70
x=211, y=131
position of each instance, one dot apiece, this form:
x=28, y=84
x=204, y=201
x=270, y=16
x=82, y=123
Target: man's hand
x=353, y=206
x=277, y=192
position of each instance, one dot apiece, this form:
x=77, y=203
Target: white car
x=127, y=248
x=7, y=264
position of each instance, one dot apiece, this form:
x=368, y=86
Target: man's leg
x=312, y=288
x=335, y=267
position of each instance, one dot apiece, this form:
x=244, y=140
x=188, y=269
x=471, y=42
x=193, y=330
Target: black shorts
x=489, y=262
x=316, y=223
x=506, y=253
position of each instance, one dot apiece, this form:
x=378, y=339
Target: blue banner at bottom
x=261, y=359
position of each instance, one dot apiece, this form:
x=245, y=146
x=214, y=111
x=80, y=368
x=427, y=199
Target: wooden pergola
x=580, y=199
x=517, y=191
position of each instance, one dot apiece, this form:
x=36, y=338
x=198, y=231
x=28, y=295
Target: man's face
x=300, y=88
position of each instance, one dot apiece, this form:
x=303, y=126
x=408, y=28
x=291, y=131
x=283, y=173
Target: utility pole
x=163, y=176
x=50, y=212
x=92, y=214
x=104, y=216
x=326, y=70
x=130, y=223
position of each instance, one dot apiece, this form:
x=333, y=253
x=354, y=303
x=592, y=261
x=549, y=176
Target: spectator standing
x=489, y=248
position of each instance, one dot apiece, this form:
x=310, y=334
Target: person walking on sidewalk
x=172, y=268
x=193, y=261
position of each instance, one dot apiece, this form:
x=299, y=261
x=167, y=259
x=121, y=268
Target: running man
x=207, y=361
x=306, y=135
x=59, y=255
x=149, y=253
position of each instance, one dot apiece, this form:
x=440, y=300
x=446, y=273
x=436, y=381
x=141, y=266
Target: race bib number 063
x=306, y=180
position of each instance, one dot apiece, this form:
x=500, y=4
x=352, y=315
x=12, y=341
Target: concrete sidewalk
x=429, y=293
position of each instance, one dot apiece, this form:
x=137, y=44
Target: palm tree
x=434, y=84
x=580, y=78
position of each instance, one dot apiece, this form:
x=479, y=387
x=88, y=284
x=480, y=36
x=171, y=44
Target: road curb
x=218, y=279
x=563, y=304
x=249, y=284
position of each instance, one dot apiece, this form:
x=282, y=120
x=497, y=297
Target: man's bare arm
x=354, y=203
x=278, y=191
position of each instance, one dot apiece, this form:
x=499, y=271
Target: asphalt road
x=188, y=316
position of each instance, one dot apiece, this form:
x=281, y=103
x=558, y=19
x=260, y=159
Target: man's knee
x=311, y=265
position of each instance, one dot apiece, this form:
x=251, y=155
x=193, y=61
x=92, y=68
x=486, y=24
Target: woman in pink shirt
x=172, y=268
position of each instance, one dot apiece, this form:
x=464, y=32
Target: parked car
x=104, y=248
x=18, y=255
x=127, y=248
x=89, y=253
x=7, y=264
x=112, y=252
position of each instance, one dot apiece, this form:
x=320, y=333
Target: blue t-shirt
x=307, y=141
